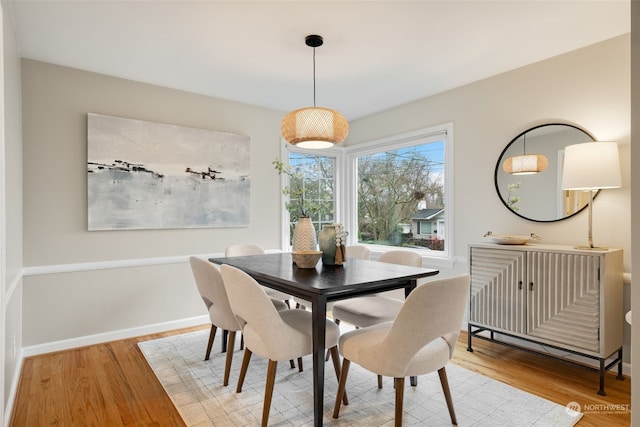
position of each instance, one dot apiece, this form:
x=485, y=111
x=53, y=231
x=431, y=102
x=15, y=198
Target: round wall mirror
x=528, y=175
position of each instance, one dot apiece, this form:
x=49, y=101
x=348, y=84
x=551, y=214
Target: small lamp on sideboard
x=590, y=167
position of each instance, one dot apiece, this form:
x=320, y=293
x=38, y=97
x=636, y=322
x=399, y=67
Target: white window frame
x=421, y=136
x=346, y=189
x=338, y=154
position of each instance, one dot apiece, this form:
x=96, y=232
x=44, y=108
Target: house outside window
x=428, y=225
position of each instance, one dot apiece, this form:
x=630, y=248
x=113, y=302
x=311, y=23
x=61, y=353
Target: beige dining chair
x=244, y=249
x=211, y=288
x=376, y=308
x=357, y=251
x=420, y=340
x=353, y=252
x=272, y=334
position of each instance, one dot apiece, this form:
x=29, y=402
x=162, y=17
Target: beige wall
x=56, y=101
x=131, y=291
x=12, y=177
x=588, y=87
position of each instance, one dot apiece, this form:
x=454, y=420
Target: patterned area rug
x=195, y=387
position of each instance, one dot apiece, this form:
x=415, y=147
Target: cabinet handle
x=520, y=285
x=530, y=286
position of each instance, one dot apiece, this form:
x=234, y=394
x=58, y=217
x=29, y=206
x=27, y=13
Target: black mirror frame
x=500, y=160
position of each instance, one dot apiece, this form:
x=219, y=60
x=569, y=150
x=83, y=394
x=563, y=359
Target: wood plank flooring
x=111, y=385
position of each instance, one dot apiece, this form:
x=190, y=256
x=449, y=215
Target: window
x=311, y=188
x=399, y=192
x=392, y=193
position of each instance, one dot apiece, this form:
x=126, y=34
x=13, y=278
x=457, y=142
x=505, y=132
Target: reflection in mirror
x=539, y=196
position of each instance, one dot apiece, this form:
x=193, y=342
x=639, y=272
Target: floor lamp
x=589, y=167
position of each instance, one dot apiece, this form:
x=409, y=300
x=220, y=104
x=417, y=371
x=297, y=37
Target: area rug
x=195, y=387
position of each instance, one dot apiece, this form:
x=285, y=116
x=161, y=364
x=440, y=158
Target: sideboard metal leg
x=602, y=371
x=620, y=376
x=469, y=339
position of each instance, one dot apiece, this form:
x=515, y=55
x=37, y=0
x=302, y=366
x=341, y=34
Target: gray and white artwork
x=144, y=175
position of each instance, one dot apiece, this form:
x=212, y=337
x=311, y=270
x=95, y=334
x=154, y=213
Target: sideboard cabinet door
x=563, y=299
x=497, y=299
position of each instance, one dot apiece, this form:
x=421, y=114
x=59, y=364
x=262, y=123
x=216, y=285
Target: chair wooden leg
x=300, y=368
x=292, y=363
x=243, y=369
x=268, y=391
x=335, y=356
x=341, y=387
x=227, y=365
x=447, y=394
x=380, y=381
x=241, y=341
x=212, y=335
x=399, y=383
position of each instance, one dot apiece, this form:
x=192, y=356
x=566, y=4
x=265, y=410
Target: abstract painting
x=145, y=175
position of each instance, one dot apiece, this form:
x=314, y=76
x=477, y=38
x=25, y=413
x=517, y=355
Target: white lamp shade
x=592, y=165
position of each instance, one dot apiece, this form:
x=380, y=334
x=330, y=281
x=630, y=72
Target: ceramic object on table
x=331, y=240
x=327, y=244
x=304, y=236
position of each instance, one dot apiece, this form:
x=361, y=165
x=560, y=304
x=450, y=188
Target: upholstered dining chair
x=351, y=251
x=211, y=288
x=383, y=307
x=357, y=251
x=272, y=334
x=420, y=340
x=376, y=308
x=244, y=249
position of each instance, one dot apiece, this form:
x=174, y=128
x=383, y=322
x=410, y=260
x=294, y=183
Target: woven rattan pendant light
x=314, y=127
x=526, y=164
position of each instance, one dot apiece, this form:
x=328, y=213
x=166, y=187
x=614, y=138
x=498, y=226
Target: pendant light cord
x=314, y=77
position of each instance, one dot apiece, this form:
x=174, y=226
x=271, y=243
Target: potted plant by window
x=304, y=234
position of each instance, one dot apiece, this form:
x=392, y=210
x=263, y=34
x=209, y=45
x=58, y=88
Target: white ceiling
x=376, y=55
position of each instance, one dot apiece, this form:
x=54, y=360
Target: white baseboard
x=112, y=336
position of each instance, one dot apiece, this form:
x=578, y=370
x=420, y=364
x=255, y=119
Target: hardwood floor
x=111, y=385
x=551, y=379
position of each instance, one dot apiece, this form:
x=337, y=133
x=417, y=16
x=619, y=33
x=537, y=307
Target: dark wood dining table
x=321, y=285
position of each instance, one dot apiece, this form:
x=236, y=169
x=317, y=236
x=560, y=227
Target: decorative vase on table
x=331, y=243
x=304, y=236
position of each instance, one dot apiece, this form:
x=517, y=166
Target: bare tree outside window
x=399, y=191
x=311, y=189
